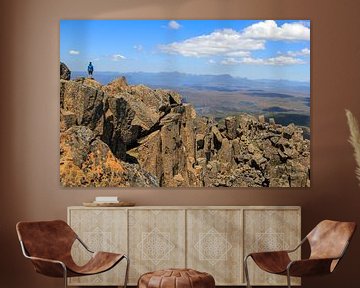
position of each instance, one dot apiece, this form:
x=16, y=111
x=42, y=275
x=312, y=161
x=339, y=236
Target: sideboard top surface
x=193, y=207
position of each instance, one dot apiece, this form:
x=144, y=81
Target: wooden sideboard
x=212, y=239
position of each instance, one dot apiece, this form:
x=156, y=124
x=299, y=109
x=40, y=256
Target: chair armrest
x=48, y=267
x=309, y=267
x=298, y=246
x=84, y=245
x=280, y=251
x=268, y=253
x=45, y=260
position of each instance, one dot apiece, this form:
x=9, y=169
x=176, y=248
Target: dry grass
x=354, y=139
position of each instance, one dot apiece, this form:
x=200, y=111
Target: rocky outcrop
x=115, y=87
x=249, y=152
x=89, y=82
x=87, y=161
x=65, y=73
x=85, y=102
x=123, y=135
x=169, y=152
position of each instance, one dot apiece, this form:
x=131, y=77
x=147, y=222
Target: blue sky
x=256, y=49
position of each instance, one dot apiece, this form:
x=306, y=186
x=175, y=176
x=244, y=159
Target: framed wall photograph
x=185, y=103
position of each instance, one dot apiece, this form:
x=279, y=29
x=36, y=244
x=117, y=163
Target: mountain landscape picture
x=185, y=103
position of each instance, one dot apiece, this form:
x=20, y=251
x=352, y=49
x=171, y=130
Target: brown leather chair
x=48, y=245
x=328, y=242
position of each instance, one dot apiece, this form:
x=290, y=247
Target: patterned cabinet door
x=156, y=240
x=214, y=244
x=269, y=230
x=101, y=230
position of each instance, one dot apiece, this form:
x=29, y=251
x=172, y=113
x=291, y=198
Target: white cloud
x=269, y=30
x=118, y=57
x=174, y=25
x=236, y=46
x=278, y=60
x=138, y=48
x=302, y=52
x=226, y=42
x=230, y=61
x=239, y=54
x=74, y=52
x=231, y=43
x=274, y=61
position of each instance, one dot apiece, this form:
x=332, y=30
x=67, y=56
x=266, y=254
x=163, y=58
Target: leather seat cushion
x=176, y=278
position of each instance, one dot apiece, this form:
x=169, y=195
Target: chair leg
x=288, y=278
x=246, y=270
x=65, y=276
x=127, y=271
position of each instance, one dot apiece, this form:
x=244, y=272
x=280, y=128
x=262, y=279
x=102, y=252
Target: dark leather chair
x=328, y=242
x=48, y=245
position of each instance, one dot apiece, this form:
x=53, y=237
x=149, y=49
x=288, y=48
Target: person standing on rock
x=90, y=70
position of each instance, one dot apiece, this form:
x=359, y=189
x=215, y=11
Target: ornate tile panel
x=213, y=246
x=270, y=230
x=156, y=246
x=214, y=242
x=157, y=240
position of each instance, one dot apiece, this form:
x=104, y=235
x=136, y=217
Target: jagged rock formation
x=122, y=135
x=249, y=152
x=87, y=161
x=65, y=73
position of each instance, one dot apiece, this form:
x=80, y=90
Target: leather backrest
x=47, y=239
x=329, y=238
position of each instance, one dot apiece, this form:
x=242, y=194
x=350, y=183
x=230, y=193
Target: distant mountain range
x=223, y=82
